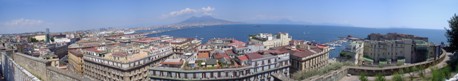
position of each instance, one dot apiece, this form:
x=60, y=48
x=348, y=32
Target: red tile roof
x=253, y=55
x=173, y=61
x=237, y=43
x=243, y=57
x=316, y=49
x=278, y=50
x=94, y=49
x=203, y=55
x=221, y=55
x=302, y=54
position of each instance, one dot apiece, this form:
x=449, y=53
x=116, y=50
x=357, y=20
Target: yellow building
x=75, y=60
x=40, y=37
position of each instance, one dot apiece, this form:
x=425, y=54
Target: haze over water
x=320, y=34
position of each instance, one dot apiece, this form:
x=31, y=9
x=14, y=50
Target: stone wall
x=331, y=76
x=14, y=72
x=34, y=65
x=355, y=70
x=55, y=74
x=372, y=71
x=38, y=68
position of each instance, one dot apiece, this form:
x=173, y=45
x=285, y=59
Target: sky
x=18, y=16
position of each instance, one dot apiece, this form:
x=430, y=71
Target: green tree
x=446, y=72
x=397, y=77
x=363, y=77
x=452, y=33
x=52, y=39
x=380, y=77
x=437, y=75
x=452, y=37
x=33, y=40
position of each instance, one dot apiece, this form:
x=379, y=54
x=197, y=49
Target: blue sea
x=316, y=33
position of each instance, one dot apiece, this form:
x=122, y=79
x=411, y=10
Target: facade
x=397, y=48
x=75, y=61
x=129, y=62
x=223, y=59
x=270, y=40
x=307, y=57
x=423, y=51
x=76, y=53
x=183, y=45
x=389, y=51
x=356, y=48
x=258, y=67
x=40, y=37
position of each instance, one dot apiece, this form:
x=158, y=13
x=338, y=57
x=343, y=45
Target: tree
x=437, y=75
x=51, y=39
x=452, y=33
x=33, y=40
x=397, y=77
x=380, y=77
x=363, y=77
x=452, y=38
x=446, y=72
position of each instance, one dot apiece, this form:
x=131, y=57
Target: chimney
x=308, y=47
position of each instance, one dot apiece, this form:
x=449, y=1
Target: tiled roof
x=243, y=58
x=76, y=53
x=93, y=49
x=119, y=54
x=302, y=54
x=278, y=50
x=203, y=55
x=173, y=61
x=221, y=55
x=253, y=55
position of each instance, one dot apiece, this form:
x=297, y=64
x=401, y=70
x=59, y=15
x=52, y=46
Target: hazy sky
x=66, y=15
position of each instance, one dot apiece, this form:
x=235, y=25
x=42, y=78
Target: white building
x=270, y=40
